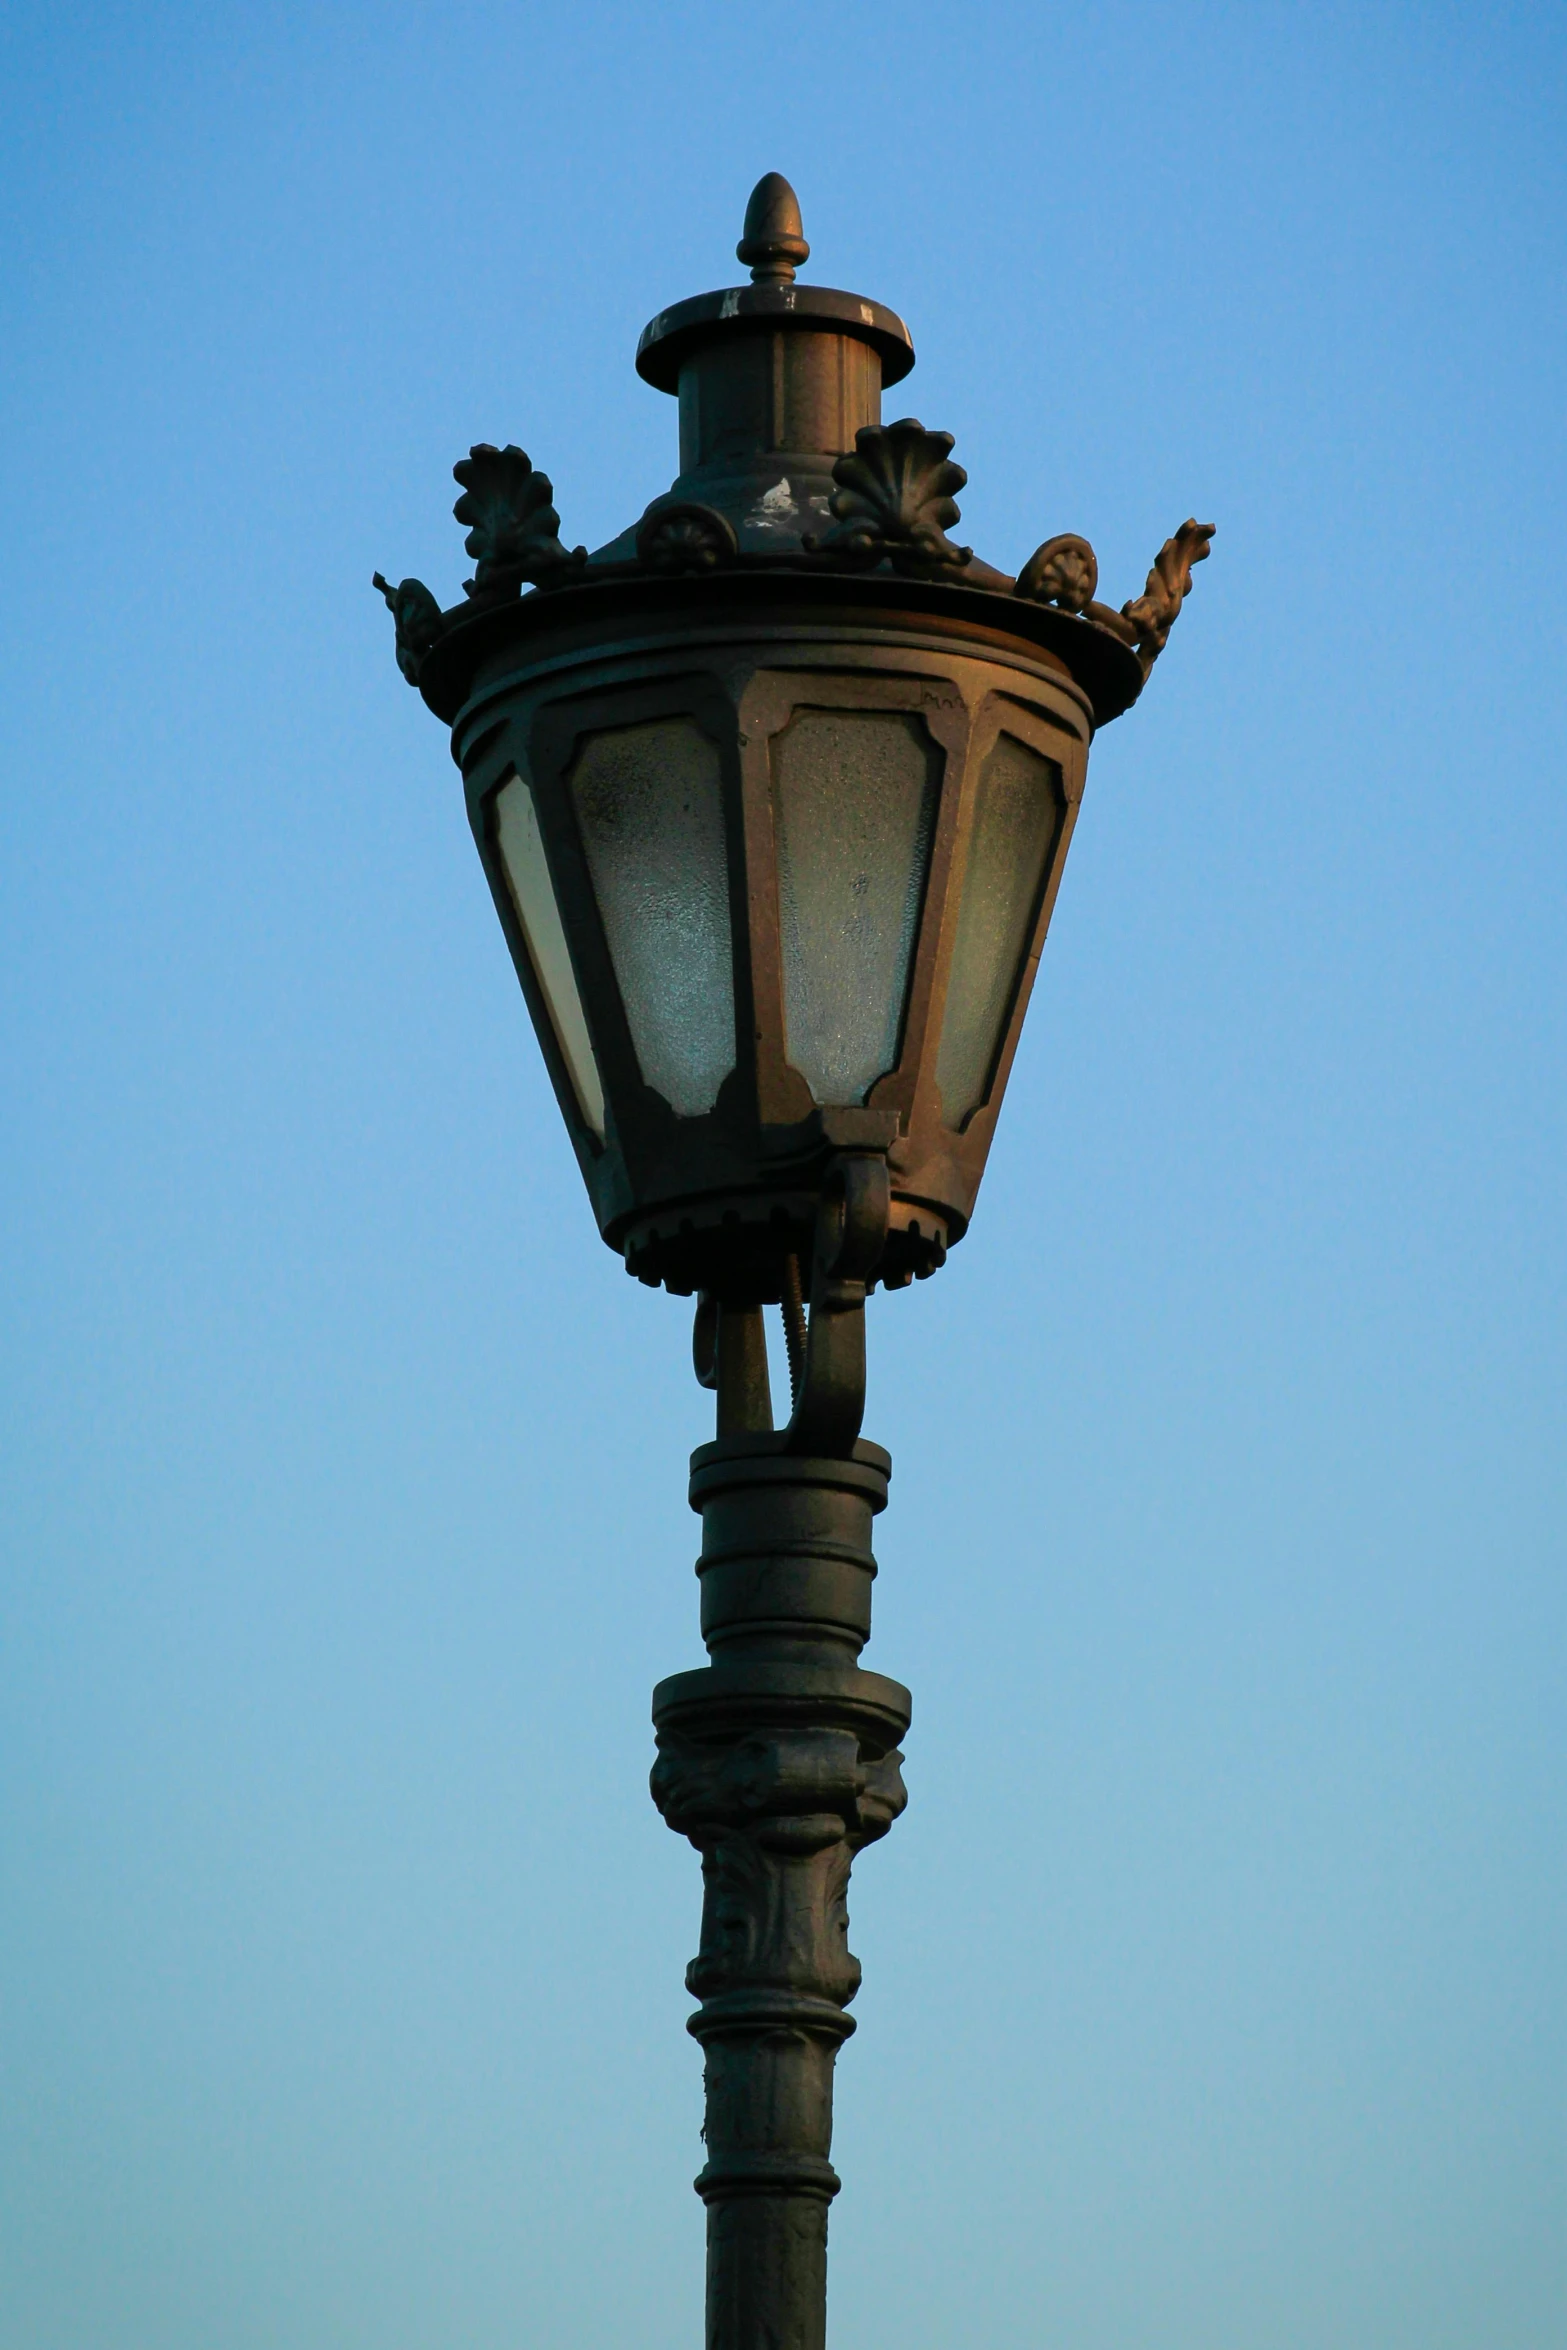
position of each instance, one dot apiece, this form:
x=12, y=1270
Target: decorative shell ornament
x=513, y=528
x=894, y=500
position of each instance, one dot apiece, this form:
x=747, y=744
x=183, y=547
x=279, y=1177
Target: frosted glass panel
x=651, y=810
x=856, y=798
x=533, y=896
x=1016, y=812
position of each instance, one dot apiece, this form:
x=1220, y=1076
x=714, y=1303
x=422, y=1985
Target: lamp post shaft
x=778, y=1760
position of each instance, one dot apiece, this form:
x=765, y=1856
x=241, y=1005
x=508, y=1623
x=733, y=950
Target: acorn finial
x=773, y=240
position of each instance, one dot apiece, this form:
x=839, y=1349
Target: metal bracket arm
x=851, y=1233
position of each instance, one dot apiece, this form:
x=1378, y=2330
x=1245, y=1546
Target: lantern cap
x=772, y=244
x=786, y=469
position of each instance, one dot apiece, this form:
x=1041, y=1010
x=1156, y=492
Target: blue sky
x=1213, y=1978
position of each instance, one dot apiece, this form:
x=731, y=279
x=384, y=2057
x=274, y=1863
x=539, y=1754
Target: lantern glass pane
x=1017, y=813
x=650, y=807
x=533, y=897
x=856, y=793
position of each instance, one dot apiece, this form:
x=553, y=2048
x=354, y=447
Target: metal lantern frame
x=721, y=1199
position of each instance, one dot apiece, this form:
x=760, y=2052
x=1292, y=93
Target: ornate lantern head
x=774, y=792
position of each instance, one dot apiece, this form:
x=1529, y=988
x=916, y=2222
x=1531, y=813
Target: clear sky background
x=1214, y=1977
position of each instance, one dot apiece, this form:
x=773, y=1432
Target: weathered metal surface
x=798, y=571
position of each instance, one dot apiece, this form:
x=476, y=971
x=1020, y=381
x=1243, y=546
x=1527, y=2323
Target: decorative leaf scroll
x=418, y=618
x=1064, y=571
x=895, y=500
x=1154, y=613
x=513, y=528
x=685, y=536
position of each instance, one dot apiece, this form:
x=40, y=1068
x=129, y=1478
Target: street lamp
x=774, y=793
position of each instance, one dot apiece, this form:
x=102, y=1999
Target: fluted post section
x=779, y=1761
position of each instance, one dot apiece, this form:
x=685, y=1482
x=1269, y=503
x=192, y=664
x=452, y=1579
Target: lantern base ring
x=741, y=1242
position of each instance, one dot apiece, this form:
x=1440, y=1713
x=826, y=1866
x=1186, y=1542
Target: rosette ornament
x=681, y=535
x=1064, y=572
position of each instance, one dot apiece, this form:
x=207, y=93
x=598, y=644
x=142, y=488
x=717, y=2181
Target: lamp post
x=774, y=793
